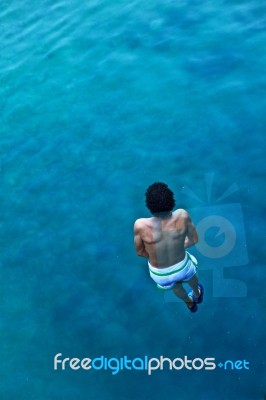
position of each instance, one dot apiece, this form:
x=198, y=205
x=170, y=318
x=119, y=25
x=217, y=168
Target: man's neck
x=163, y=215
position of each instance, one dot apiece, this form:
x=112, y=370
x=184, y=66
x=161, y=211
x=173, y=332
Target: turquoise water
x=98, y=100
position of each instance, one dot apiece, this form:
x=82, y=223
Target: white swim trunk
x=166, y=278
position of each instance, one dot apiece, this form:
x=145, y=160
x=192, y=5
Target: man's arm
x=139, y=245
x=192, y=236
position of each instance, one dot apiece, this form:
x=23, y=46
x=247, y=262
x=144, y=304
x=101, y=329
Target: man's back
x=164, y=238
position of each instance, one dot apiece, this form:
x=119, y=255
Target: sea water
x=98, y=100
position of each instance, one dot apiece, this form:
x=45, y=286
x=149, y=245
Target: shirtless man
x=163, y=239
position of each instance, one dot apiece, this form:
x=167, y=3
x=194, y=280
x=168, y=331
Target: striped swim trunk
x=166, y=278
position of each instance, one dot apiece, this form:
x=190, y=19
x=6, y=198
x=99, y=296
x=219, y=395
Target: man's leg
x=193, y=283
x=180, y=292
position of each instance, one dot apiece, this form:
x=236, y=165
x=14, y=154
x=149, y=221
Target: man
x=163, y=239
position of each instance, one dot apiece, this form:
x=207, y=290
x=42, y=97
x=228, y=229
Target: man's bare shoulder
x=141, y=223
x=181, y=213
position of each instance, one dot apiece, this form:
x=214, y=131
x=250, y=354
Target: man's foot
x=192, y=305
x=197, y=299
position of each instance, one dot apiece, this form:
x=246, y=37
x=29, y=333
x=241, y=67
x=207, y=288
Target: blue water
x=99, y=99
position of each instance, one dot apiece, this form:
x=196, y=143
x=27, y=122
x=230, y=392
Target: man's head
x=159, y=198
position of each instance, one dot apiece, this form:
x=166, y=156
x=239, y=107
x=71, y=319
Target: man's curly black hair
x=159, y=198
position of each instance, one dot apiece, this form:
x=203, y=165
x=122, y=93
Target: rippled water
x=98, y=99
